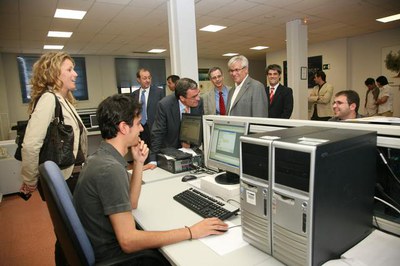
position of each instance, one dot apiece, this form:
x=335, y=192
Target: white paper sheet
x=227, y=242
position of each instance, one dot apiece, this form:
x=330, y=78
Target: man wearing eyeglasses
x=248, y=97
x=216, y=100
x=345, y=106
x=167, y=123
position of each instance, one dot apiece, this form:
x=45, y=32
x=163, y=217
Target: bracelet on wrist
x=190, y=232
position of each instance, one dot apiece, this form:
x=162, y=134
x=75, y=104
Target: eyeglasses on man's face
x=216, y=77
x=236, y=70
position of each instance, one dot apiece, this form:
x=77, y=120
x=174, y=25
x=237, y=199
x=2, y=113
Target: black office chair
x=68, y=228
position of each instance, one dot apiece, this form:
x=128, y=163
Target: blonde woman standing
x=53, y=74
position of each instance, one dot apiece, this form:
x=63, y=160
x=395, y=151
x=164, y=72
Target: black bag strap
x=58, y=115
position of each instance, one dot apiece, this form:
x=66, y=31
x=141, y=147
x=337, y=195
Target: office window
x=25, y=65
x=126, y=69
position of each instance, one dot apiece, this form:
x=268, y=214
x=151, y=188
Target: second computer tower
x=255, y=188
x=323, y=189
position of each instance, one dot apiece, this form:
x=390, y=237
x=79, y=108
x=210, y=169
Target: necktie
x=271, y=94
x=144, y=112
x=222, y=110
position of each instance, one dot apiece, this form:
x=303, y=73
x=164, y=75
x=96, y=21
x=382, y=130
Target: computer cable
x=382, y=191
x=388, y=166
x=229, y=201
x=387, y=203
x=233, y=226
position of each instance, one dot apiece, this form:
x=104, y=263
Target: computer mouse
x=188, y=178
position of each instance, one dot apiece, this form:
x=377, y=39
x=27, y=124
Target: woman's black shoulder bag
x=58, y=145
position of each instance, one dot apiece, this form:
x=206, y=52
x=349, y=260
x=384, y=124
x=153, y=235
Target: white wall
x=352, y=61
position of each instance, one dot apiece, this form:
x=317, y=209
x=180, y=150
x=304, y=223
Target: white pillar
x=296, y=48
x=182, y=38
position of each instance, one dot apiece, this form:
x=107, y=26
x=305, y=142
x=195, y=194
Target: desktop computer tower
x=322, y=194
x=255, y=172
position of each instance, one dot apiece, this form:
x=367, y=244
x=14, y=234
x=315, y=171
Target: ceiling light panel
x=230, y=54
x=59, y=34
x=259, y=47
x=53, y=47
x=70, y=14
x=213, y=28
x=389, y=19
x=157, y=51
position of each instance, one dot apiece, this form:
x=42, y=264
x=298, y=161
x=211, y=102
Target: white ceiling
x=132, y=27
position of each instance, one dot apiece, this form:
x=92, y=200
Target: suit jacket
x=210, y=106
x=167, y=124
x=155, y=95
x=324, y=104
x=251, y=101
x=282, y=102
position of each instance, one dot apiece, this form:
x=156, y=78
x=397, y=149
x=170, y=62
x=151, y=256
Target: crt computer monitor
x=191, y=129
x=224, y=149
x=93, y=121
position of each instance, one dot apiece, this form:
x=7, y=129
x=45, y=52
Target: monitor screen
x=191, y=129
x=93, y=121
x=224, y=149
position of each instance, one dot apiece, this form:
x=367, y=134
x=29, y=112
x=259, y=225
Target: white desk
x=159, y=174
x=157, y=210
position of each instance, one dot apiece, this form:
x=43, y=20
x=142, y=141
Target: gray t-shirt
x=102, y=189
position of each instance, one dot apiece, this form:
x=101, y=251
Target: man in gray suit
x=248, y=97
x=216, y=100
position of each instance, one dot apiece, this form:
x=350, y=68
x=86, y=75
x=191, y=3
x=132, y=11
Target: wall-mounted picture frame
x=303, y=73
x=314, y=63
x=203, y=74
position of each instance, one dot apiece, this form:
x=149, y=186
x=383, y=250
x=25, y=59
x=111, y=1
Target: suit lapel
x=277, y=94
x=242, y=91
x=213, y=104
x=151, y=97
x=176, y=112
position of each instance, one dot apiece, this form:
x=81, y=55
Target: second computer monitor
x=191, y=129
x=224, y=149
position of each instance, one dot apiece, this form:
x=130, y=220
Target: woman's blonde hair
x=45, y=76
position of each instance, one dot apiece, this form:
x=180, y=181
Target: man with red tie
x=215, y=101
x=280, y=97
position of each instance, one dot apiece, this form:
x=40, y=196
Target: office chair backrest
x=67, y=226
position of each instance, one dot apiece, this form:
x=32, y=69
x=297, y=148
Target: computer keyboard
x=204, y=205
x=175, y=153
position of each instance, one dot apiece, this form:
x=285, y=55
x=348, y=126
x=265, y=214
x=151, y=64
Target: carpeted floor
x=26, y=232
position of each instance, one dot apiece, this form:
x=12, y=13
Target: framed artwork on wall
x=391, y=64
x=314, y=64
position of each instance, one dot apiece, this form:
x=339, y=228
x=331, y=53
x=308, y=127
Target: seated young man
x=105, y=194
x=345, y=105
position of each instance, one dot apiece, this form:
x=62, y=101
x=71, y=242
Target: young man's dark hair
x=352, y=97
x=369, y=81
x=174, y=78
x=183, y=85
x=274, y=67
x=382, y=80
x=115, y=109
x=321, y=74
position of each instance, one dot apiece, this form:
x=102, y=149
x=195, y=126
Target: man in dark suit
x=148, y=96
x=280, y=97
x=248, y=97
x=166, y=127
